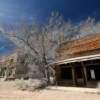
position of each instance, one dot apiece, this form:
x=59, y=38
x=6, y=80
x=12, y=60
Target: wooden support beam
x=84, y=73
x=73, y=75
x=92, y=64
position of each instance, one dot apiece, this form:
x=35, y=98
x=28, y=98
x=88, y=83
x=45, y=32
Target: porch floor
x=90, y=84
x=75, y=89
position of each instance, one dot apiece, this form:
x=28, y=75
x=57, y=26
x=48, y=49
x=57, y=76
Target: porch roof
x=77, y=59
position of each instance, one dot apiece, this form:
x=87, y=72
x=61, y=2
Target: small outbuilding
x=78, y=62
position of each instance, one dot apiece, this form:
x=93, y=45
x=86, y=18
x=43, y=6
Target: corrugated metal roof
x=84, y=44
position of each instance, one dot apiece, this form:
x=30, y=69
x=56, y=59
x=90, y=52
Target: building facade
x=78, y=62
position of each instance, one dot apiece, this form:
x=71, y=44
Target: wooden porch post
x=74, y=76
x=56, y=76
x=84, y=73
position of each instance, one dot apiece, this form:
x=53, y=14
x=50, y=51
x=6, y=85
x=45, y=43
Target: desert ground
x=8, y=91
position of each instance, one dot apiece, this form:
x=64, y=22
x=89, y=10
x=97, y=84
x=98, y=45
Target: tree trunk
x=47, y=75
x=6, y=73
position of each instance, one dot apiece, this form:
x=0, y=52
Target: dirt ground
x=8, y=91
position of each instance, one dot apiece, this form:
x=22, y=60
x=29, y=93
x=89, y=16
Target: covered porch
x=79, y=71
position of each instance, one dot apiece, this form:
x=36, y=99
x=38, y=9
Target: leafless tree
x=86, y=27
x=41, y=43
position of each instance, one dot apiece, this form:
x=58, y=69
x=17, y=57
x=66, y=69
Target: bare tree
x=41, y=43
x=32, y=41
x=85, y=27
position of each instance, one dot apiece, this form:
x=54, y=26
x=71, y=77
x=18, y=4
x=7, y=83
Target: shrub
x=31, y=84
x=21, y=84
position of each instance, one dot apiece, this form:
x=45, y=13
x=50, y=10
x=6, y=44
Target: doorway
x=79, y=76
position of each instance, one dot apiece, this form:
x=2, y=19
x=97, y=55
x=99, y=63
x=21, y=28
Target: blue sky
x=39, y=10
x=12, y=11
x=5, y=44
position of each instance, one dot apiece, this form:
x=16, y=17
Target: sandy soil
x=8, y=91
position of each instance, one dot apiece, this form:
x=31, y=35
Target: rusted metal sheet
x=81, y=45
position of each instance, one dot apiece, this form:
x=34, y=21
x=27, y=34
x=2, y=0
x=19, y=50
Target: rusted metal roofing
x=87, y=43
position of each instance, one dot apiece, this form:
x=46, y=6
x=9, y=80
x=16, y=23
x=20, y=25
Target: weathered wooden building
x=78, y=62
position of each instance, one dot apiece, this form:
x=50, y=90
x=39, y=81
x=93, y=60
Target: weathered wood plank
x=84, y=73
x=73, y=75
